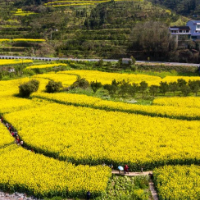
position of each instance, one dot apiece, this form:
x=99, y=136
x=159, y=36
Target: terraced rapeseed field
x=42, y=176
x=85, y=130
x=94, y=102
x=46, y=66
x=189, y=102
x=106, y=78
x=178, y=182
x=85, y=135
x=13, y=62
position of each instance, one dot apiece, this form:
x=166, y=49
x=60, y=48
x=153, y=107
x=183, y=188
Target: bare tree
x=153, y=38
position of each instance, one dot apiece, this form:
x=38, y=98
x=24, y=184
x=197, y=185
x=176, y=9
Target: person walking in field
x=21, y=143
x=126, y=169
x=17, y=140
x=142, y=169
x=88, y=195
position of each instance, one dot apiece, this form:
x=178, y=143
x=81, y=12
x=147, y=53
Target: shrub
x=26, y=89
x=133, y=60
x=81, y=83
x=95, y=86
x=53, y=86
x=153, y=90
x=185, y=89
x=164, y=87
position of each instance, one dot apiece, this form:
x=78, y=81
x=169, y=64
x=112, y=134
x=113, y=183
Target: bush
x=185, y=89
x=80, y=83
x=95, y=86
x=53, y=86
x=133, y=60
x=26, y=89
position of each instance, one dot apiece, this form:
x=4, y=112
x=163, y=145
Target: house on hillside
x=185, y=34
x=194, y=28
x=180, y=33
x=180, y=30
x=191, y=30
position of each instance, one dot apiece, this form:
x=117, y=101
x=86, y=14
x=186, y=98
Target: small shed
x=126, y=61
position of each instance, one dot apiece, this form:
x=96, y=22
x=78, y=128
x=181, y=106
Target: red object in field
x=126, y=168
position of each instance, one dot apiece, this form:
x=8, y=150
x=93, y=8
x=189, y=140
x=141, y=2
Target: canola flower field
x=20, y=12
x=46, y=66
x=63, y=3
x=87, y=131
x=178, y=182
x=36, y=174
x=6, y=138
x=106, y=78
x=13, y=62
x=22, y=40
x=90, y=136
x=66, y=79
x=41, y=176
x=188, y=102
x=94, y=102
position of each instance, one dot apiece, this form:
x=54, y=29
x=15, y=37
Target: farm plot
x=106, y=78
x=91, y=136
x=178, y=182
x=169, y=111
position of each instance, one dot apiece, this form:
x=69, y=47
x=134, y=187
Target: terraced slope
x=75, y=28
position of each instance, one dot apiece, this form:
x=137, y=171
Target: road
x=96, y=60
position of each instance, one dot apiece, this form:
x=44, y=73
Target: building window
x=198, y=26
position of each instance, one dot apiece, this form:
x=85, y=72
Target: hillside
x=100, y=29
x=184, y=7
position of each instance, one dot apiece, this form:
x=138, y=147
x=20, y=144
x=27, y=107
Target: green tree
x=133, y=89
x=29, y=87
x=151, y=37
x=124, y=88
x=143, y=87
x=153, y=90
x=100, y=63
x=133, y=60
x=194, y=86
x=173, y=87
x=185, y=89
x=95, y=86
x=164, y=87
x=53, y=86
x=112, y=89
x=181, y=82
x=119, y=62
x=115, y=83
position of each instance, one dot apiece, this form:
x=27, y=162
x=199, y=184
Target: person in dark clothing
x=198, y=70
x=88, y=195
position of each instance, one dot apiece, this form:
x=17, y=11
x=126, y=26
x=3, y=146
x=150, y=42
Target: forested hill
x=184, y=7
x=89, y=29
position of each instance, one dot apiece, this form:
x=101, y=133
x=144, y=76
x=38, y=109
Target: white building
x=180, y=30
x=194, y=28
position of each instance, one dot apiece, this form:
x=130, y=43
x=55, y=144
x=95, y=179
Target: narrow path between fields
x=6, y=196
